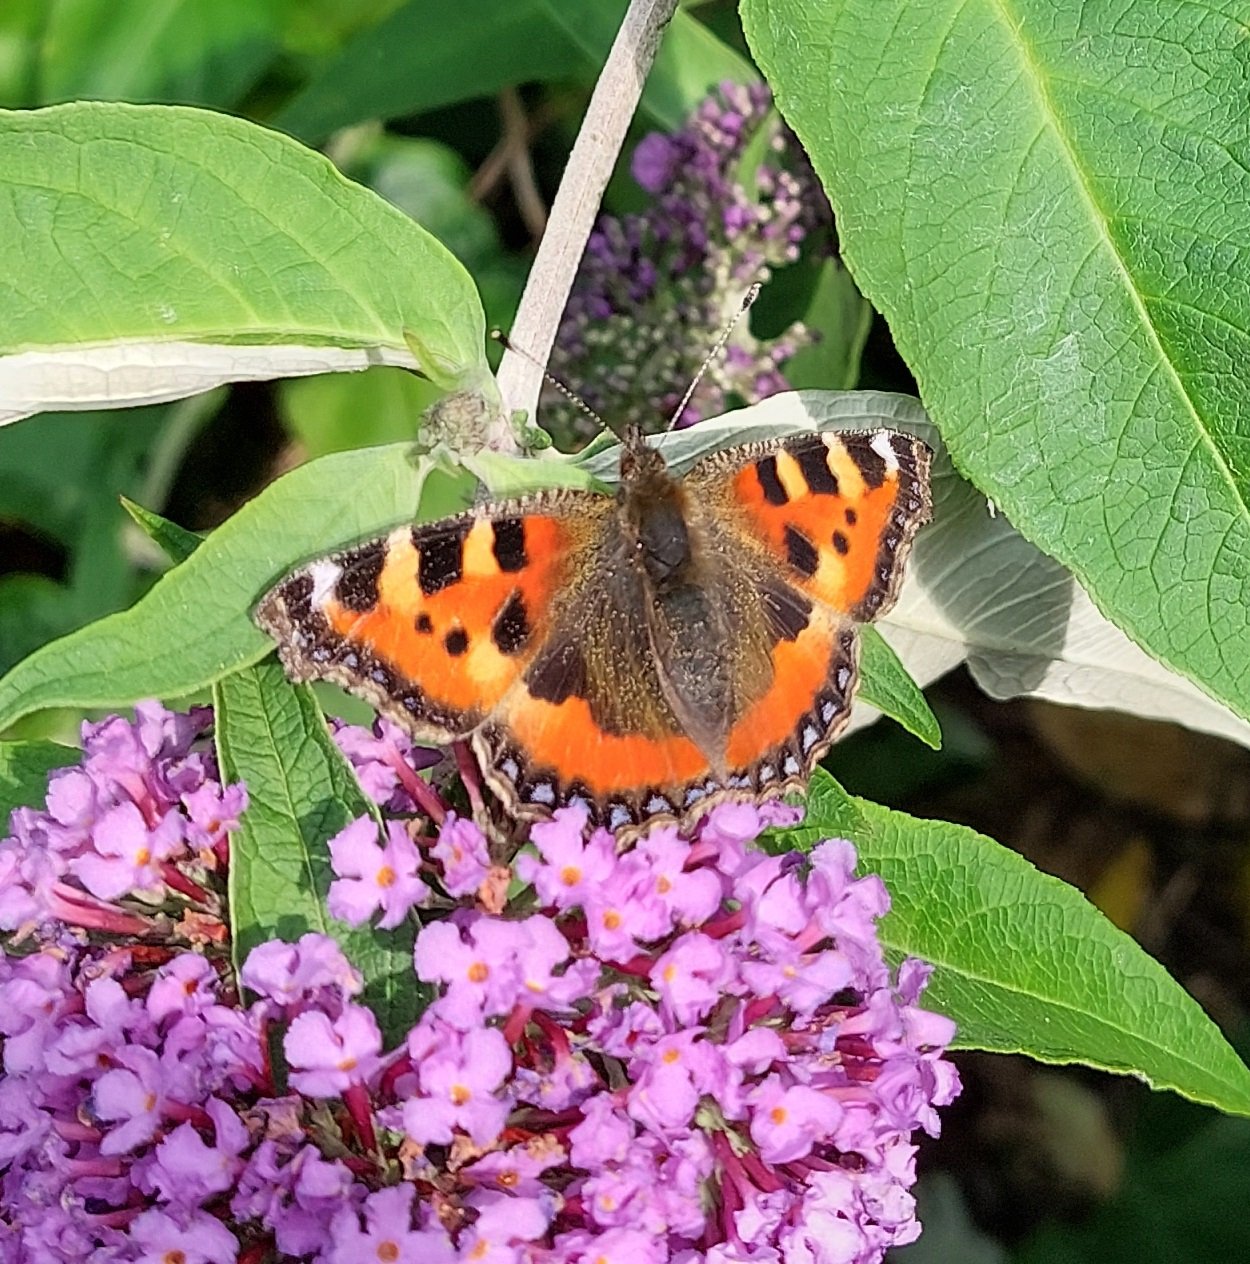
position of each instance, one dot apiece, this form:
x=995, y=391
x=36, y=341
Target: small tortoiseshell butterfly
x=688, y=642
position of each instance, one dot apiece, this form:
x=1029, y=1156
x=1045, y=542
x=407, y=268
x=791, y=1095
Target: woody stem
x=612, y=106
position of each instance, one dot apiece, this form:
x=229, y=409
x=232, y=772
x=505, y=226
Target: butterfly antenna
x=747, y=299
x=576, y=400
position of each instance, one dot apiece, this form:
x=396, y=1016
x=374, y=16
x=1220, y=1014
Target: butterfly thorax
x=653, y=514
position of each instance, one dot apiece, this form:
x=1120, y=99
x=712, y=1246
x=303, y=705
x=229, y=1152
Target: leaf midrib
x=1037, y=79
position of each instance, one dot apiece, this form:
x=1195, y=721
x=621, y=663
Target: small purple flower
x=187, y=1169
x=188, y=1238
x=570, y=867
x=328, y=1056
x=214, y=810
x=187, y=985
x=653, y=162
x=461, y=850
x=372, y=877
x=479, y=963
x=518, y=1170
x=290, y=974
x=133, y=1097
x=387, y=1235
x=127, y=854
x=385, y=761
x=691, y=977
x=459, y=1079
x=786, y=1122
x=504, y=1224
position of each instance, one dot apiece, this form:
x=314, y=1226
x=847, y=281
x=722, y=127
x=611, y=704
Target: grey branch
x=590, y=165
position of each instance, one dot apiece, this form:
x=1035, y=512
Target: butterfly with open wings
x=689, y=641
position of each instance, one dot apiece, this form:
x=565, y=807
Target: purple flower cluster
x=145, y=815
x=689, y=1051
x=655, y=289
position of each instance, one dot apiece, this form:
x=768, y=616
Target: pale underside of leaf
x=130, y=373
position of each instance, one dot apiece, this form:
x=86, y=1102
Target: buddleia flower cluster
x=656, y=288
x=689, y=1050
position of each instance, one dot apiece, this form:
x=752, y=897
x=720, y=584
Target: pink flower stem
x=175, y=878
x=470, y=775
x=419, y=790
x=356, y=1099
x=71, y=906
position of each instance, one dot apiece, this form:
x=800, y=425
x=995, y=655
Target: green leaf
x=177, y=543
x=431, y=182
x=194, y=625
x=885, y=684
x=1025, y=963
x=416, y=60
x=24, y=769
x=1047, y=200
x=301, y=792
x=60, y=480
x=226, y=252
x=154, y=50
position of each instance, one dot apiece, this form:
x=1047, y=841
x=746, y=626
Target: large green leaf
x=153, y=252
x=194, y=625
x=428, y=54
x=1023, y=962
x=1049, y=201
x=301, y=791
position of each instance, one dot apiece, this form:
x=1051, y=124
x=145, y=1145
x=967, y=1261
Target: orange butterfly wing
x=434, y=624
x=835, y=515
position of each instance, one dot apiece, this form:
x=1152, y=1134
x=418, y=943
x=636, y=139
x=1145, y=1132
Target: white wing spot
x=325, y=575
x=881, y=444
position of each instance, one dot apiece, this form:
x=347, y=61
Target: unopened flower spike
x=656, y=288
